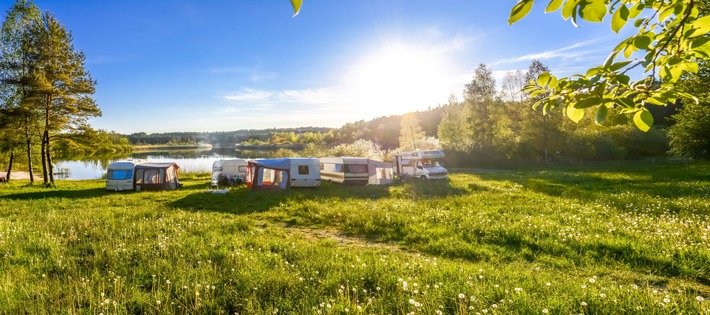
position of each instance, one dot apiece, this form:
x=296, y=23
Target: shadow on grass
x=59, y=193
x=242, y=200
x=617, y=186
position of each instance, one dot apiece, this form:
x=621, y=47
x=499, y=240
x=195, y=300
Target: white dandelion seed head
x=462, y=296
x=699, y=298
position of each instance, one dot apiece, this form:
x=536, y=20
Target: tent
x=380, y=173
x=156, y=176
x=269, y=174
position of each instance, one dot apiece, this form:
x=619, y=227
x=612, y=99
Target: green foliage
x=601, y=240
x=671, y=42
x=690, y=135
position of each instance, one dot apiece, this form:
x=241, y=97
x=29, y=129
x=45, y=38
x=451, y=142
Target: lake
x=189, y=162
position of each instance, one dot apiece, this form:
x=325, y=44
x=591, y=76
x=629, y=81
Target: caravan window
x=338, y=167
x=356, y=168
x=243, y=169
x=120, y=174
x=303, y=170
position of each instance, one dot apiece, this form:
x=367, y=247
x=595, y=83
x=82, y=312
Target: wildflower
x=700, y=298
x=666, y=300
x=494, y=306
x=484, y=311
x=518, y=289
x=583, y=303
x=548, y=284
x=157, y=302
x=545, y=311
x=347, y=310
x=592, y=280
x=461, y=296
x=439, y=312
x=602, y=295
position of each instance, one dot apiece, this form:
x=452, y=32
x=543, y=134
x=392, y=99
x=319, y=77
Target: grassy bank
x=558, y=242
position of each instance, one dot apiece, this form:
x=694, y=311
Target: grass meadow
x=605, y=240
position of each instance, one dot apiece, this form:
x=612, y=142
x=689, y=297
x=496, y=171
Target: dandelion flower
x=545, y=311
x=602, y=295
x=461, y=296
x=592, y=280
x=494, y=306
x=583, y=303
x=700, y=298
x=548, y=284
x=666, y=300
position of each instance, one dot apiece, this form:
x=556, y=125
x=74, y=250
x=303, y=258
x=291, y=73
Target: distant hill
x=381, y=130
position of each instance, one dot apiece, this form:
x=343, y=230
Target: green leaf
x=622, y=78
x=610, y=58
x=701, y=46
x=575, y=114
x=643, y=120
x=642, y=42
x=601, y=114
x=629, y=50
x=593, y=10
x=689, y=96
x=667, y=12
x=619, y=65
x=625, y=102
x=569, y=8
x=519, y=11
x=543, y=79
x=701, y=26
x=588, y=102
x=296, y=6
x=636, y=10
x=553, y=6
x=619, y=19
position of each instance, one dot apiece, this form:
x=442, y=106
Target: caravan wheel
x=423, y=177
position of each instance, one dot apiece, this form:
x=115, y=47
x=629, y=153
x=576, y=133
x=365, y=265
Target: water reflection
x=189, y=161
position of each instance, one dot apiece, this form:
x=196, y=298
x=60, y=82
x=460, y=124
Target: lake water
x=188, y=161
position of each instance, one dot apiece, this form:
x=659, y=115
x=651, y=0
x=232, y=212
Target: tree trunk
x=50, y=167
x=46, y=166
x=29, y=153
x=9, y=165
x=44, y=161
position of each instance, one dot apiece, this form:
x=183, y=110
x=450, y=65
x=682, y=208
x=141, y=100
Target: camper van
x=119, y=175
x=305, y=172
x=346, y=170
x=420, y=164
x=225, y=172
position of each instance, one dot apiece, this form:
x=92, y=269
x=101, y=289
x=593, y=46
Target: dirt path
x=18, y=175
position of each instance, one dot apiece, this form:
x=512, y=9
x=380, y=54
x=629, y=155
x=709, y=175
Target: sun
x=399, y=78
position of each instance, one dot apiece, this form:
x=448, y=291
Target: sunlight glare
x=399, y=79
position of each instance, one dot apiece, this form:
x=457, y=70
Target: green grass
x=601, y=241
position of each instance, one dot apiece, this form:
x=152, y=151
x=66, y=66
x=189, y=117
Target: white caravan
x=225, y=172
x=420, y=164
x=305, y=172
x=346, y=170
x=119, y=175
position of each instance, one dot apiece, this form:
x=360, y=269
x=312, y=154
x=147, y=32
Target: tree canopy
x=666, y=44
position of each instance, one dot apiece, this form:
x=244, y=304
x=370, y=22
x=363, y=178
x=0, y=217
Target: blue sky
x=220, y=65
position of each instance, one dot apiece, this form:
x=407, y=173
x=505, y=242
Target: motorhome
x=228, y=172
x=305, y=172
x=420, y=164
x=346, y=170
x=119, y=175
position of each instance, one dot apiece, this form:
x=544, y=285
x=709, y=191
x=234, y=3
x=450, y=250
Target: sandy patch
x=19, y=175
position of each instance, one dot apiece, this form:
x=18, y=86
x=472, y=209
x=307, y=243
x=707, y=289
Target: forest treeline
x=493, y=125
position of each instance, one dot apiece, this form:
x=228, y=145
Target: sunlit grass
x=559, y=242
